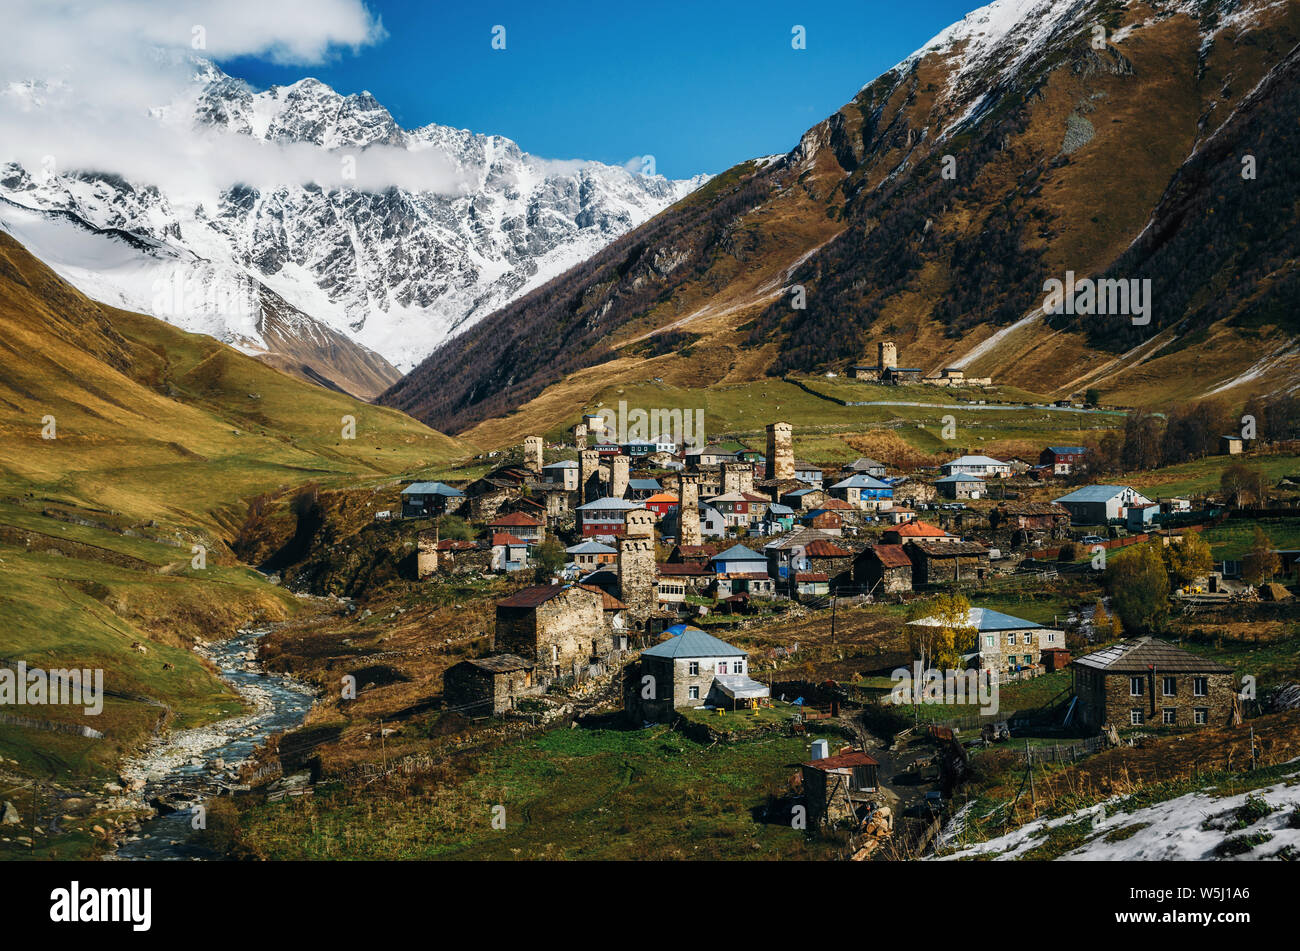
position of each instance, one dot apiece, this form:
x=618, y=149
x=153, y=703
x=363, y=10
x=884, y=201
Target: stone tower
x=888, y=355
x=533, y=453
x=620, y=469
x=737, y=477
x=639, y=523
x=688, y=510
x=588, y=475
x=637, y=576
x=580, y=436
x=780, y=451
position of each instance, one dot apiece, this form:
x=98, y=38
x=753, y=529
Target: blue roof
x=738, y=553
x=802, y=491
x=777, y=508
x=959, y=477
x=591, y=548
x=609, y=502
x=1093, y=493
x=861, y=481
x=566, y=464
x=1061, y=450
x=692, y=642
x=644, y=484
x=986, y=619
x=431, y=488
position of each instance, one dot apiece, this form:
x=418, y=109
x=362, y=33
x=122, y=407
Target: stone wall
x=567, y=629
x=688, y=510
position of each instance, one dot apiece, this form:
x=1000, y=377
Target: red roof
x=611, y=603
x=505, y=538
x=686, y=568
x=811, y=576
x=515, y=518
x=892, y=556
x=838, y=504
x=843, y=761
x=916, y=529
x=821, y=548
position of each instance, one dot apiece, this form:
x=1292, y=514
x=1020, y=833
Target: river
x=185, y=767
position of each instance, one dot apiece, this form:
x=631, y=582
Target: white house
x=976, y=466
x=1098, y=504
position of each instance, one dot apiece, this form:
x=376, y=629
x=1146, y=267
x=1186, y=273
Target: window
x=1136, y=718
x=722, y=666
x=1171, y=686
x=1029, y=659
x=693, y=668
x=693, y=693
x=1200, y=686
x=1136, y=686
x=738, y=667
x=1051, y=637
x=1201, y=716
x=988, y=640
x=1170, y=716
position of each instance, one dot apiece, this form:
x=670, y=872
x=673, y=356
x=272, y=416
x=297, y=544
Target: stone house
x=688, y=670
x=508, y=552
x=558, y=627
x=863, y=492
x=589, y=555
x=961, y=486
x=1005, y=644
x=934, y=562
x=523, y=526
x=1031, y=517
x=804, y=500
x=487, y=686
x=830, y=558
x=865, y=466
x=838, y=787
x=562, y=475
x=1146, y=682
x=916, y=531
x=884, y=569
x=430, y=499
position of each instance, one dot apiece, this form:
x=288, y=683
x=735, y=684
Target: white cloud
x=112, y=81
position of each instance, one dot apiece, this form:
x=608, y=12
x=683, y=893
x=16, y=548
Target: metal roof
x=986, y=620
x=738, y=553
x=959, y=477
x=975, y=461
x=566, y=464
x=861, y=481
x=741, y=687
x=1140, y=654
x=1094, y=493
x=609, y=502
x=692, y=642
x=843, y=761
x=431, y=488
x=591, y=548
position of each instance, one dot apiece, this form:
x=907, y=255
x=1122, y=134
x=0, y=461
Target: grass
x=643, y=794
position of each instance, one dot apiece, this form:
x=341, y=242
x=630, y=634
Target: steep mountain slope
x=931, y=210
x=401, y=238
x=125, y=443
x=153, y=423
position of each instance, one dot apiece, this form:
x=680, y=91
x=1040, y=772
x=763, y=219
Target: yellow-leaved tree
x=939, y=631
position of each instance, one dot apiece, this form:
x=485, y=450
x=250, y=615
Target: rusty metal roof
x=843, y=761
x=891, y=556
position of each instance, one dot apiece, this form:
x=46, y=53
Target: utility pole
x=1033, y=798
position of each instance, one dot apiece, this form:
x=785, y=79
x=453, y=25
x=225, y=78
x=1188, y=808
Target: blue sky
x=700, y=86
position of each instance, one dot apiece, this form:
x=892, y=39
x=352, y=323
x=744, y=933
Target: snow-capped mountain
x=362, y=253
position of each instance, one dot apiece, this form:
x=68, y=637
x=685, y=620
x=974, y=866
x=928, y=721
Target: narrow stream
x=188, y=766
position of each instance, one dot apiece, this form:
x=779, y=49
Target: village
x=635, y=571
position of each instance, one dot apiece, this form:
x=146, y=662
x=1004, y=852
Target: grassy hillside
x=160, y=438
